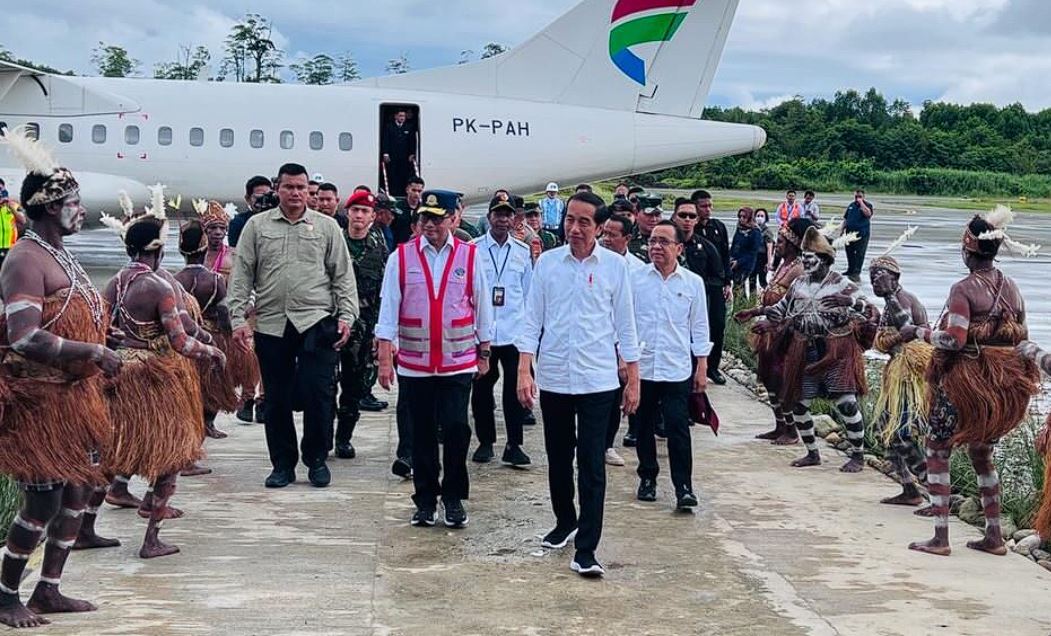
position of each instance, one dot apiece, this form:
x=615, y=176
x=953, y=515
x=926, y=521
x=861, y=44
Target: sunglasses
x=686, y=215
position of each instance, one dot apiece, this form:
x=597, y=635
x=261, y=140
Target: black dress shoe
x=375, y=399
x=515, y=456
x=345, y=450
x=530, y=420
x=402, y=468
x=280, y=478
x=371, y=405
x=686, y=500
x=246, y=414
x=260, y=412
x=647, y=490
x=483, y=455
x=717, y=377
x=630, y=441
x=319, y=476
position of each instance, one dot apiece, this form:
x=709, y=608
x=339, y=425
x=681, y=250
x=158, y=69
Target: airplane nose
x=759, y=139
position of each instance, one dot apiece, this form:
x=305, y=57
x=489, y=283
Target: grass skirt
x=903, y=396
x=841, y=366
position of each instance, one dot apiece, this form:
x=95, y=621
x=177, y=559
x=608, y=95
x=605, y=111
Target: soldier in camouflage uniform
x=647, y=219
x=357, y=361
x=548, y=239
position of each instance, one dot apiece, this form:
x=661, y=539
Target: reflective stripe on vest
x=436, y=334
x=784, y=215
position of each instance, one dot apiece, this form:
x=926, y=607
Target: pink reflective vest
x=436, y=334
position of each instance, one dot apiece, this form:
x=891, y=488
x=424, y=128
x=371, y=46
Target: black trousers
x=404, y=420
x=304, y=363
x=856, y=256
x=716, y=326
x=670, y=400
x=577, y=423
x=614, y=418
x=431, y=400
x=483, y=405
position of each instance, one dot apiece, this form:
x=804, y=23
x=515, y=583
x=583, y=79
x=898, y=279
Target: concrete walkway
x=772, y=551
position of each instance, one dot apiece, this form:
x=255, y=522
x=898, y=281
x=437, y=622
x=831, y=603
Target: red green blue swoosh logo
x=636, y=22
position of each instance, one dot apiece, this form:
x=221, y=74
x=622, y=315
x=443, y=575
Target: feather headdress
x=153, y=212
x=156, y=206
x=845, y=240
x=901, y=240
x=999, y=218
x=58, y=182
x=831, y=229
x=200, y=206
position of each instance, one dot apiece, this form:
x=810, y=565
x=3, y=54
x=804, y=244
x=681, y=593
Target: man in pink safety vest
x=435, y=303
x=788, y=209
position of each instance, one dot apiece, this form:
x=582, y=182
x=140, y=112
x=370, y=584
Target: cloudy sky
x=956, y=50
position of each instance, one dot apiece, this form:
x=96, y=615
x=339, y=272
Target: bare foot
x=991, y=546
x=47, y=599
x=853, y=465
x=926, y=511
x=123, y=499
x=810, y=459
x=903, y=499
x=774, y=434
x=786, y=439
x=170, y=513
x=934, y=546
x=90, y=540
x=195, y=470
x=215, y=433
x=14, y=614
x=157, y=548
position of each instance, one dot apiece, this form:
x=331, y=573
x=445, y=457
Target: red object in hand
x=702, y=411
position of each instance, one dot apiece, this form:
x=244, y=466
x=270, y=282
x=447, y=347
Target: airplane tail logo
x=636, y=22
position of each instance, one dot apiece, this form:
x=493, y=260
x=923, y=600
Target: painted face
x=884, y=283
x=361, y=217
x=216, y=234
x=811, y=262
x=71, y=217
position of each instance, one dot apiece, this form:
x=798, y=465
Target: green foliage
x=250, y=53
x=860, y=140
x=398, y=65
x=318, y=70
x=347, y=68
x=492, y=49
x=113, y=61
x=735, y=340
x=10, y=500
x=7, y=56
x=188, y=66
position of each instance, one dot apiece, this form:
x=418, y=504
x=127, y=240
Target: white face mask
x=811, y=262
x=72, y=215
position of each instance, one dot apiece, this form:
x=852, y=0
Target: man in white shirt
x=580, y=298
x=811, y=210
x=508, y=267
x=671, y=313
x=436, y=278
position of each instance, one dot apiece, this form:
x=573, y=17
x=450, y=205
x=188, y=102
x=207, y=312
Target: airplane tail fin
x=647, y=56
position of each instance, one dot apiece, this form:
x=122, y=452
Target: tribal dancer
x=823, y=357
x=980, y=387
x=902, y=403
x=155, y=406
x=1042, y=359
x=52, y=409
x=768, y=343
x=208, y=288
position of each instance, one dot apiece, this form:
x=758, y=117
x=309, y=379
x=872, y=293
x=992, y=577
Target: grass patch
x=10, y=501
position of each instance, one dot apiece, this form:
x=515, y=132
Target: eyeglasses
x=430, y=218
x=686, y=215
x=663, y=242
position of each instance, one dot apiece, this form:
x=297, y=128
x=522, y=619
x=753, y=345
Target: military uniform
x=357, y=363
x=640, y=247
x=471, y=231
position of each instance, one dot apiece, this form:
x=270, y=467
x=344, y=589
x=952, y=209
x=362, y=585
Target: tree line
x=249, y=54
x=862, y=139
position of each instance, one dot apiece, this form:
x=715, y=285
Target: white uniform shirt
x=672, y=320
x=510, y=268
x=390, y=299
x=572, y=302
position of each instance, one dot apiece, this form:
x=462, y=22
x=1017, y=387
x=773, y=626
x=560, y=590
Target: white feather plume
x=32, y=154
x=845, y=240
x=175, y=203
x=1000, y=217
x=901, y=240
x=230, y=209
x=112, y=223
x=1027, y=250
x=200, y=206
x=992, y=235
x=126, y=206
x=156, y=208
x=831, y=229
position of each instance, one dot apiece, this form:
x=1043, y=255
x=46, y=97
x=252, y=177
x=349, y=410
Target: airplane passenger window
x=255, y=139
x=131, y=135
x=65, y=133
x=33, y=130
x=197, y=136
x=226, y=137
x=98, y=134
x=317, y=140
x=164, y=136
x=346, y=141
x=287, y=140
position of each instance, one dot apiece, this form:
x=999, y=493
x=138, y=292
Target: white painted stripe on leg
x=7, y=590
x=60, y=543
x=50, y=581
x=988, y=481
x=941, y=479
x=941, y=523
x=940, y=501
x=72, y=514
x=8, y=554
x=28, y=525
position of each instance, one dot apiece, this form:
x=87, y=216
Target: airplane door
x=399, y=147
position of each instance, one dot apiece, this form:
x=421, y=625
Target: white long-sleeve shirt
x=672, y=319
x=572, y=302
x=390, y=299
x=510, y=268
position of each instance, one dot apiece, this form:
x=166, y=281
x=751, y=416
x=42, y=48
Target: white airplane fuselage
x=469, y=144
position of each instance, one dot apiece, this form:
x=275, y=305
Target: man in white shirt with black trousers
x=575, y=292
x=508, y=266
x=671, y=313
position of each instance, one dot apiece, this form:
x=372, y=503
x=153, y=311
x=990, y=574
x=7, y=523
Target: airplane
x=611, y=88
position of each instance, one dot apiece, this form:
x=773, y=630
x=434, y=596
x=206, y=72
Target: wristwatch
x=484, y=354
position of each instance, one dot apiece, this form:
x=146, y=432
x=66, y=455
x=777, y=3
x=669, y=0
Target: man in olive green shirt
x=296, y=262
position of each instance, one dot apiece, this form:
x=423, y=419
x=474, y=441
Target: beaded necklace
x=79, y=281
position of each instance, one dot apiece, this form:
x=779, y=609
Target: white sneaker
x=613, y=459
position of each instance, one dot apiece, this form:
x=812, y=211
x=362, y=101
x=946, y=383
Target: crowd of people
x=305, y=301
